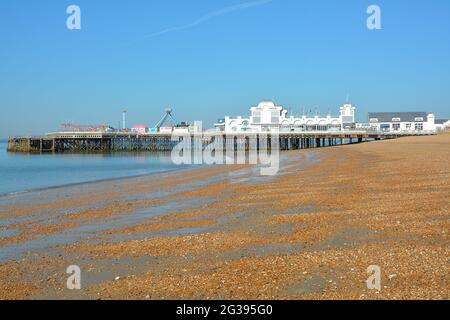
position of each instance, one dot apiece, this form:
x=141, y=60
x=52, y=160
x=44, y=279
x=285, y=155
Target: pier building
x=139, y=128
x=267, y=117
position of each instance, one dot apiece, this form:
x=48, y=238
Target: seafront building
x=402, y=122
x=442, y=124
x=267, y=116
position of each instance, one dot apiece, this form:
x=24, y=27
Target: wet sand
x=225, y=232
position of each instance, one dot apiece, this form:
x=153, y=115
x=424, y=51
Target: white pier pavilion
x=267, y=116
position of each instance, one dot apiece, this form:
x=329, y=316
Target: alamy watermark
x=212, y=147
x=374, y=20
x=374, y=280
x=73, y=22
x=74, y=280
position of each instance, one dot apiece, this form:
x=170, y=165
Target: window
x=418, y=126
x=408, y=126
x=347, y=119
x=396, y=126
x=275, y=116
x=257, y=116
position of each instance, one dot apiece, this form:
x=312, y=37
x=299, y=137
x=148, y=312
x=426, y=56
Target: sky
x=210, y=58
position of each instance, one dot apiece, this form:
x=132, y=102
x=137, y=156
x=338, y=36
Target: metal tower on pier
x=124, y=119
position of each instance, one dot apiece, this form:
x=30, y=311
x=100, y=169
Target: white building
x=402, y=122
x=267, y=116
x=442, y=124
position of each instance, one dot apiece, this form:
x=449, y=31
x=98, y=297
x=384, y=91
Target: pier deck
x=91, y=142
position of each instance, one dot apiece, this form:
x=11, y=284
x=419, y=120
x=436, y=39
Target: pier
x=99, y=142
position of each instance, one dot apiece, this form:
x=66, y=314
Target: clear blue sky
x=301, y=53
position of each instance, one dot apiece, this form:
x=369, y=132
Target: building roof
x=403, y=116
x=441, y=121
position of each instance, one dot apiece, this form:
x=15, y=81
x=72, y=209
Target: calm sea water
x=24, y=172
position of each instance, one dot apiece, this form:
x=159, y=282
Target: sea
x=20, y=173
